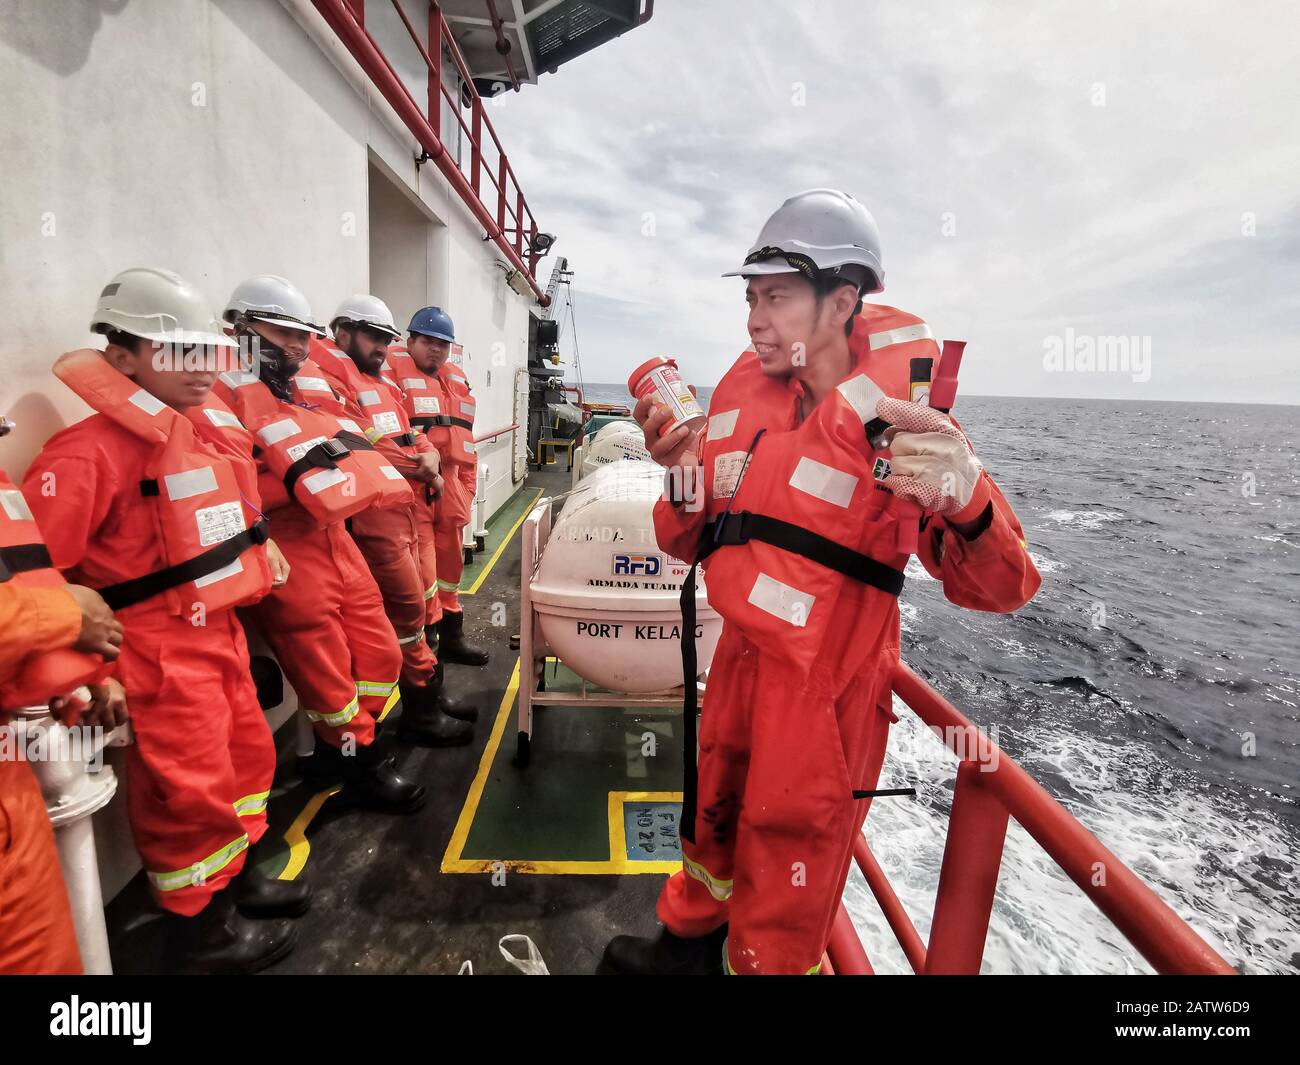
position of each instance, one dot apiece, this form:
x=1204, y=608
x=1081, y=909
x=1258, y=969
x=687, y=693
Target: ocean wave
x=1084, y=519
x=1213, y=859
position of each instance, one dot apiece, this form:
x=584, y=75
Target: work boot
x=664, y=955
x=426, y=724
x=261, y=896
x=449, y=706
x=219, y=941
x=451, y=642
x=370, y=779
x=323, y=767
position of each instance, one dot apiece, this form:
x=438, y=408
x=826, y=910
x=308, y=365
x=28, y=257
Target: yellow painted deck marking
x=296, y=834
x=618, y=862
x=502, y=546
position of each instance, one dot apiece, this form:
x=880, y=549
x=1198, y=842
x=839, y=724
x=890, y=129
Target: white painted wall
x=217, y=138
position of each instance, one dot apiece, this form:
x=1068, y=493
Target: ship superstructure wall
x=220, y=138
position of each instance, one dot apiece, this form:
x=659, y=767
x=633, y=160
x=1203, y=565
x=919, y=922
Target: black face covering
x=275, y=369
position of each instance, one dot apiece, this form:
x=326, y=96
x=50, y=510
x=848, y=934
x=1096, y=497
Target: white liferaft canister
x=606, y=597
x=659, y=377
x=626, y=445
x=613, y=429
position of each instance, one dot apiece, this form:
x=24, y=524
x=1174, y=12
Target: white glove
x=930, y=461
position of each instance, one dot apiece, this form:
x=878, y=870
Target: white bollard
x=72, y=793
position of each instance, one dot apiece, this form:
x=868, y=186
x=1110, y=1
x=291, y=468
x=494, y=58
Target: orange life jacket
x=25, y=561
x=199, y=493
x=379, y=398
x=794, y=514
x=326, y=463
x=459, y=415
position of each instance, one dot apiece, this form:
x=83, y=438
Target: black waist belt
x=739, y=528
x=23, y=558
x=407, y=439
x=742, y=526
x=424, y=421
x=138, y=589
x=325, y=456
x=447, y=420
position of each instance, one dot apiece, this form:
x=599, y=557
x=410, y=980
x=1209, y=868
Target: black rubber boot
x=371, y=780
x=425, y=723
x=323, y=767
x=664, y=955
x=451, y=642
x=449, y=706
x=260, y=896
x=219, y=941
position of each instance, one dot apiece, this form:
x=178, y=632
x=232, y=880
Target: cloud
x=1116, y=169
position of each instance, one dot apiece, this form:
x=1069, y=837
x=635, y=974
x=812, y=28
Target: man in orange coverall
x=199, y=772
x=36, y=932
x=426, y=364
x=327, y=624
x=403, y=567
x=802, y=523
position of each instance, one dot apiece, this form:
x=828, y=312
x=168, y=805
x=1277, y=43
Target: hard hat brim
x=292, y=323
x=767, y=266
x=189, y=338
x=433, y=336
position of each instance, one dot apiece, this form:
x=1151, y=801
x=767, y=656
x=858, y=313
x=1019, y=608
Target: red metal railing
x=990, y=790
x=509, y=222
x=495, y=433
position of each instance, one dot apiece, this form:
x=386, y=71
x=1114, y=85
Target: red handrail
x=990, y=789
x=493, y=435
x=346, y=19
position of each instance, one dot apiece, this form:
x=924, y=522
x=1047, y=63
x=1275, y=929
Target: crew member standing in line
x=156, y=506
x=356, y=366
x=438, y=400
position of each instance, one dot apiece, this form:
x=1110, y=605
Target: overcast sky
x=1111, y=169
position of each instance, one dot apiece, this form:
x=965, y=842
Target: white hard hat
x=157, y=305
x=821, y=230
x=272, y=299
x=370, y=310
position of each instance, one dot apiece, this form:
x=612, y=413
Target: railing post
x=501, y=191
x=476, y=135
x=519, y=221
x=435, y=70
x=358, y=11
x=847, y=955
x=968, y=879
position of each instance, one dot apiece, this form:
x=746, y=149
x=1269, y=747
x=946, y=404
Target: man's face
x=429, y=354
x=783, y=320
x=160, y=370
x=294, y=342
x=787, y=322
x=365, y=345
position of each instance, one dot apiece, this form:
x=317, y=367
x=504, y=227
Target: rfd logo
x=637, y=565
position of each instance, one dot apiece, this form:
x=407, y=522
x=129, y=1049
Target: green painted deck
x=601, y=794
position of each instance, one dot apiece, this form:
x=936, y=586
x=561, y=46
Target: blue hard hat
x=432, y=322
